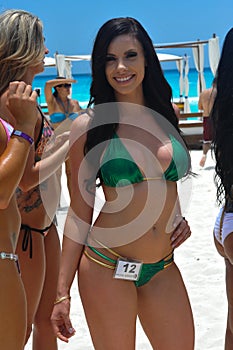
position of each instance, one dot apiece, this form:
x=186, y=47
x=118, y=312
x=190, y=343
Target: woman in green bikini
x=130, y=143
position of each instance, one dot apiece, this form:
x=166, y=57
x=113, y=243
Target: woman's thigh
x=32, y=272
x=165, y=312
x=219, y=247
x=110, y=307
x=12, y=306
x=228, y=246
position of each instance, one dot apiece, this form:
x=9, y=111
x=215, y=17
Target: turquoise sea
x=80, y=90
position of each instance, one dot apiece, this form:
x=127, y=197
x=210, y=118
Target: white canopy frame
x=214, y=55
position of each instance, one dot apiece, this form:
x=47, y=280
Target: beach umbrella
x=198, y=55
x=186, y=85
x=214, y=53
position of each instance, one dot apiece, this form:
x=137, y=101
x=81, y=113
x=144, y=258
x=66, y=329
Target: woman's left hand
x=180, y=234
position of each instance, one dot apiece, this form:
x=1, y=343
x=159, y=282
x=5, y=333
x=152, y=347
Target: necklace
x=65, y=110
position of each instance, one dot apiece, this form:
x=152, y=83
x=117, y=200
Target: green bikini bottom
x=148, y=270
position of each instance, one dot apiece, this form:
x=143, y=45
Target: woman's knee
x=42, y=322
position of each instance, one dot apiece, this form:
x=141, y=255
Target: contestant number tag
x=128, y=269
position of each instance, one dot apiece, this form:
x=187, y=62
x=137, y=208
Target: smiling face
x=125, y=68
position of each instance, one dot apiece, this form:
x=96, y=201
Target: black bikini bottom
x=27, y=237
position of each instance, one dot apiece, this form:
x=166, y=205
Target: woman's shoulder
x=80, y=125
x=76, y=104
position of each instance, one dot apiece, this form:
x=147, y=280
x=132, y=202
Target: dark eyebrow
x=125, y=53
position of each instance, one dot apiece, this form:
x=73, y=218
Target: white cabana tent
x=60, y=61
x=198, y=53
x=183, y=68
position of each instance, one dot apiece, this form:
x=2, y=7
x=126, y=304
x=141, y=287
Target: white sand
x=202, y=268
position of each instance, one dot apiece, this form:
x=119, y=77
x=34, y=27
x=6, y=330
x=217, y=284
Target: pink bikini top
x=8, y=128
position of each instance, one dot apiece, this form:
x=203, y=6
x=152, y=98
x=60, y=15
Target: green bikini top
x=118, y=168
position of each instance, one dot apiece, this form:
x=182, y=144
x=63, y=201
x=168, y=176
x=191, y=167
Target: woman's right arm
x=77, y=226
x=21, y=102
x=48, y=92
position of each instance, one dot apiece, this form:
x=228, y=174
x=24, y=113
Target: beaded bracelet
x=23, y=135
x=59, y=300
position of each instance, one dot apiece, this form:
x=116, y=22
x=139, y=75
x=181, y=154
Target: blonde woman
x=15, y=142
x=22, y=57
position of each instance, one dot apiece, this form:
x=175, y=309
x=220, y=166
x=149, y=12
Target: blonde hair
x=21, y=45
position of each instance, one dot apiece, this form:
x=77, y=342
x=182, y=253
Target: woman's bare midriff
x=142, y=228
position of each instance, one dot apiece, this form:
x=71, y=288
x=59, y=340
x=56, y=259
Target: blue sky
x=70, y=26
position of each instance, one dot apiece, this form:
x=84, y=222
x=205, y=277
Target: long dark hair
x=157, y=91
x=222, y=116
